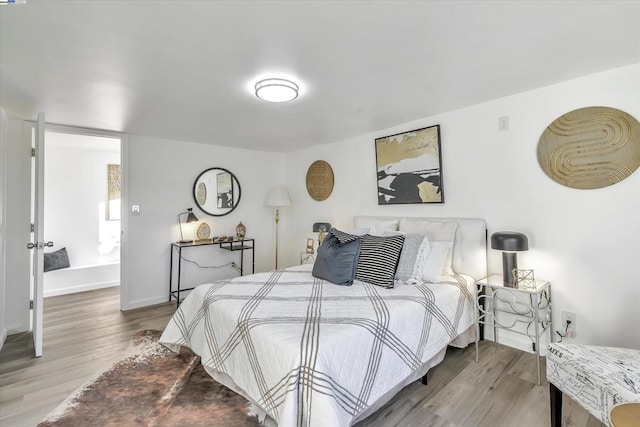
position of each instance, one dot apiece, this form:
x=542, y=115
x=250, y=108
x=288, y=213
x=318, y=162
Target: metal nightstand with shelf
x=241, y=245
x=529, y=308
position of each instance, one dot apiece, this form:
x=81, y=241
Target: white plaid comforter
x=311, y=353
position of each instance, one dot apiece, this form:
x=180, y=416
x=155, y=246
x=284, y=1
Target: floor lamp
x=278, y=198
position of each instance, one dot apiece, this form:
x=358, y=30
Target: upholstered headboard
x=470, y=246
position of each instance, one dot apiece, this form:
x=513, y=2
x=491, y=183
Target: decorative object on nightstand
x=532, y=310
x=190, y=218
x=310, y=246
x=322, y=228
x=509, y=242
x=278, y=198
x=241, y=231
x=524, y=279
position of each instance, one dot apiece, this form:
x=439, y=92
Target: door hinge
x=33, y=228
x=31, y=305
x=33, y=152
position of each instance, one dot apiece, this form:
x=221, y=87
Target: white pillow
x=361, y=231
x=378, y=225
x=430, y=267
x=414, y=249
x=436, y=231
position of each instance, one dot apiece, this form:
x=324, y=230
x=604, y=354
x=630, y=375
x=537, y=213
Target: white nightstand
x=530, y=308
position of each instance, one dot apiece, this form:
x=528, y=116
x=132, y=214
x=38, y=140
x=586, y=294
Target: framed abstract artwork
x=410, y=167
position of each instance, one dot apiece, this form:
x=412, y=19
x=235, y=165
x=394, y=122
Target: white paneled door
x=38, y=244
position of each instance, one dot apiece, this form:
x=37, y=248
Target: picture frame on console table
x=409, y=167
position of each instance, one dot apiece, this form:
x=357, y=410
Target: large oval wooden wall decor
x=319, y=180
x=591, y=147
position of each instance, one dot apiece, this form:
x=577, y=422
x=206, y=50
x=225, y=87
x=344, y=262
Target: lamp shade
x=321, y=226
x=278, y=197
x=509, y=241
x=191, y=217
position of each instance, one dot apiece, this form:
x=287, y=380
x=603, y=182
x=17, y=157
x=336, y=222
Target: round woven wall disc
x=319, y=180
x=591, y=147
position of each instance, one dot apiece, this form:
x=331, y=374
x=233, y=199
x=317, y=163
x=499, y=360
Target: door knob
x=39, y=245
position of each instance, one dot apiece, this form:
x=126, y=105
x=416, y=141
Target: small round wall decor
x=590, y=148
x=319, y=180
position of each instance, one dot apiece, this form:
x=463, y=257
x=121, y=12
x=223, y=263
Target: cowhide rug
x=152, y=386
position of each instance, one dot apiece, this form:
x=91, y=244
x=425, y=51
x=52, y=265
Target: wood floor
x=85, y=332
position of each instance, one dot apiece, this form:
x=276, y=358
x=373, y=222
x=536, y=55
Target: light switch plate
x=503, y=123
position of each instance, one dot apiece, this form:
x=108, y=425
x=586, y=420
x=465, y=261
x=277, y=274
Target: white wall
x=586, y=242
x=75, y=188
x=81, y=279
x=4, y=120
x=75, y=213
x=160, y=176
x=18, y=196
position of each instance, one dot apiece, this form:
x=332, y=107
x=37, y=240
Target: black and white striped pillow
x=378, y=259
x=344, y=237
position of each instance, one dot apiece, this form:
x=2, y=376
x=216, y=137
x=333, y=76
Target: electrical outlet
x=571, y=330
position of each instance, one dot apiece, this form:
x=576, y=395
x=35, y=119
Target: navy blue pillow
x=336, y=262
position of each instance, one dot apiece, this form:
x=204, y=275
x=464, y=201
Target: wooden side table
x=625, y=415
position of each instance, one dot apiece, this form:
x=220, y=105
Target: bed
x=307, y=352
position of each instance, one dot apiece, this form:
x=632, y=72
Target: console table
x=229, y=245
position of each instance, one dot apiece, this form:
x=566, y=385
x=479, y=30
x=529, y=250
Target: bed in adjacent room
x=308, y=352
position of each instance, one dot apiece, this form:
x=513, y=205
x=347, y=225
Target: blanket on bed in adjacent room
x=311, y=353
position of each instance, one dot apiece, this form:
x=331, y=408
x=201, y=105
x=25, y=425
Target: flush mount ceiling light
x=276, y=90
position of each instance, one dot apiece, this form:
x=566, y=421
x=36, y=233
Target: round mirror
x=216, y=191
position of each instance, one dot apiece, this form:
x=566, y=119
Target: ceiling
x=185, y=69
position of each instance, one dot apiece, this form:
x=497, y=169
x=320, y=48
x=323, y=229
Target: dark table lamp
x=191, y=217
x=509, y=242
x=322, y=228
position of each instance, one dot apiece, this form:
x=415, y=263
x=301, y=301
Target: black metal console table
x=234, y=245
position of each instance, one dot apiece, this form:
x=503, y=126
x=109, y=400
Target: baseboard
x=144, y=303
x=3, y=337
x=79, y=288
x=19, y=328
